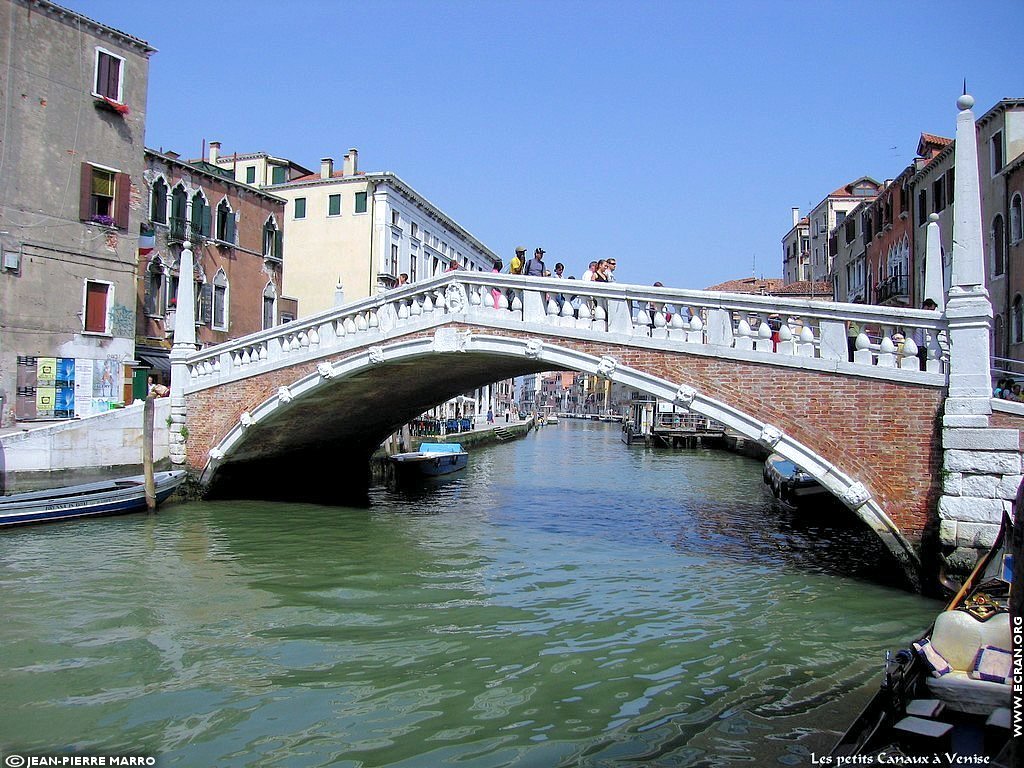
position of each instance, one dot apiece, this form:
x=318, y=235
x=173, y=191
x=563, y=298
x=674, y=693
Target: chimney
x=214, y=152
x=326, y=167
x=352, y=162
x=796, y=216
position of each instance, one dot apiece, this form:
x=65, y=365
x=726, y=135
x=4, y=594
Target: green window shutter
x=250, y=174
x=207, y=220
x=205, y=303
x=278, y=175
x=334, y=205
x=279, y=244
x=360, y=202
x=300, y=208
x=229, y=230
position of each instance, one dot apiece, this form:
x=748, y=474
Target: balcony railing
x=181, y=230
x=894, y=286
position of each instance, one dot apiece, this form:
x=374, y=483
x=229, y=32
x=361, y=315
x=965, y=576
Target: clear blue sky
x=675, y=136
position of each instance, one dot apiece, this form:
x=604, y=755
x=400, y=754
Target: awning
x=155, y=360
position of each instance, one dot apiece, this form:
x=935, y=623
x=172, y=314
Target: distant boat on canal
x=108, y=497
x=431, y=460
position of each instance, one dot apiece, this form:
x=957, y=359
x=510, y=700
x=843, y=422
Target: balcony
x=893, y=287
x=179, y=230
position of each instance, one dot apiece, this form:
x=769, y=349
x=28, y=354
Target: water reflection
x=565, y=601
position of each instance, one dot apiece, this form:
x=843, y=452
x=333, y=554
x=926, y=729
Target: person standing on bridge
x=535, y=266
x=588, y=276
x=920, y=336
x=515, y=267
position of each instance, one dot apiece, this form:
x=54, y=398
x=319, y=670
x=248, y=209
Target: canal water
x=566, y=601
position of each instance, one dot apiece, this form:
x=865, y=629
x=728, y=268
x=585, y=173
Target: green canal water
x=567, y=601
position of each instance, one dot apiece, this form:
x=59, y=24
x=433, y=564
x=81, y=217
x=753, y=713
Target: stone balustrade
x=714, y=322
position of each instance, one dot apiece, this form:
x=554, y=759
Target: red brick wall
x=884, y=434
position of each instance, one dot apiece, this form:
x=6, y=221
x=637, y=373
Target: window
x=334, y=205
x=105, y=194
x=905, y=199
x=153, y=302
x=250, y=174
x=394, y=259
x=273, y=241
x=996, y=145
x=840, y=217
x=1016, y=218
x=300, y=207
x=97, y=297
x=279, y=174
x=412, y=267
x=395, y=219
x=201, y=217
x=950, y=185
x=225, y=223
x=158, y=202
x=939, y=194
x=360, y=206
x=269, y=305
x=922, y=207
x=849, y=230
x=998, y=249
x=179, y=207
x=220, y=301
x=414, y=230
x=108, y=82
x=1017, y=328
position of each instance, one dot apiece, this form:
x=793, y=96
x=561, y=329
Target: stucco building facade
x=70, y=186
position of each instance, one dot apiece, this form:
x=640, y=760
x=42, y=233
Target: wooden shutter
x=96, y=307
x=229, y=230
x=279, y=244
x=122, y=198
x=207, y=220
x=85, y=199
x=205, y=303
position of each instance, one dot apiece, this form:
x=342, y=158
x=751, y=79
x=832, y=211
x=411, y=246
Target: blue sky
x=674, y=136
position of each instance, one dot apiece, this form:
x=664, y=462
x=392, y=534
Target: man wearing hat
x=535, y=266
x=518, y=261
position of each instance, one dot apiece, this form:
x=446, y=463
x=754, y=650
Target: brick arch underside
x=882, y=433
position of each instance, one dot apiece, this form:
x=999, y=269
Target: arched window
x=155, y=288
x=179, y=212
x=200, y=215
x=225, y=223
x=272, y=241
x=158, y=202
x=1017, y=334
x=998, y=246
x=997, y=336
x=220, y=301
x=1016, y=218
x=269, y=305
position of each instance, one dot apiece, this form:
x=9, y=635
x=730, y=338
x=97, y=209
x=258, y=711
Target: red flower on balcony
x=108, y=103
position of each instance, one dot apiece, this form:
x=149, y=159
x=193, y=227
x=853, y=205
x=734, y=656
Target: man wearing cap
x=535, y=266
x=516, y=266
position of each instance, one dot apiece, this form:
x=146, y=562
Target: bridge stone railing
x=767, y=326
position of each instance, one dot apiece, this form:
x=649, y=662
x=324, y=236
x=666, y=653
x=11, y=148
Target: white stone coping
x=1007, y=406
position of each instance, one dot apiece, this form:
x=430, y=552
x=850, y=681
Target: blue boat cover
x=441, y=447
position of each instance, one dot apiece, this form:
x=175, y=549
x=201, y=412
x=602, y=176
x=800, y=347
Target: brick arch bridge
x=304, y=405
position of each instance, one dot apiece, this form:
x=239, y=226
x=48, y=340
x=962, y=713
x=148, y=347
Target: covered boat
x=789, y=483
x=431, y=460
x=108, y=497
x=950, y=692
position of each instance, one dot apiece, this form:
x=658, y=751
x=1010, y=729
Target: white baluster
x=440, y=305
x=314, y=338
x=567, y=317
x=600, y=318
x=642, y=327
x=416, y=310
x=909, y=359
x=677, y=326
x=517, y=305
x=403, y=310
x=862, y=350
x=552, y=310
x=350, y=326
x=886, y=353
x=786, y=344
x=502, y=301
x=339, y=328
x=474, y=297
x=764, y=336
x=584, y=317
x=744, y=336
x=805, y=345
x=373, y=320
x=428, y=305
x=695, y=335
x=361, y=324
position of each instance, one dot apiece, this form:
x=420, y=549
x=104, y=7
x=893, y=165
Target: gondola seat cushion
x=958, y=637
